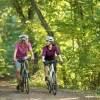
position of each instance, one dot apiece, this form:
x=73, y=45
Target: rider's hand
x=43, y=59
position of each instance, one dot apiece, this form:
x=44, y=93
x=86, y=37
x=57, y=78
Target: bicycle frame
x=51, y=73
x=24, y=76
x=24, y=69
x=52, y=86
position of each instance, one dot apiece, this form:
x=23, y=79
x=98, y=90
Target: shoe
x=17, y=87
x=46, y=78
x=29, y=75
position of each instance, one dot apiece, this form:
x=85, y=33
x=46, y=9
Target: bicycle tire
x=53, y=77
x=27, y=85
x=49, y=87
x=54, y=89
x=54, y=85
x=22, y=85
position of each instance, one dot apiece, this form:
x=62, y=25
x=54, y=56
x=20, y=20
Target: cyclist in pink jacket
x=21, y=50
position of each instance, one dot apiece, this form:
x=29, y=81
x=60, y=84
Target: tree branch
x=42, y=19
x=19, y=10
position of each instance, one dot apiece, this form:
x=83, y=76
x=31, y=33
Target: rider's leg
x=18, y=68
x=46, y=70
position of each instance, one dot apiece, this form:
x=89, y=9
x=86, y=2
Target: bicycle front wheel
x=49, y=87
x=22, y=85
x=54, y=84
x=54, y=89
x=27, y=85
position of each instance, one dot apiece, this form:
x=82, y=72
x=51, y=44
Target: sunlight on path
x=76, y=98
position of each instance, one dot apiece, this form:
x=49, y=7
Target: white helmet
x=23, y=37
x=49, y=39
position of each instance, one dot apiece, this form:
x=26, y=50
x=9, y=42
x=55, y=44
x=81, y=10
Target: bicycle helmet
x=23, y=37
x=49, y=39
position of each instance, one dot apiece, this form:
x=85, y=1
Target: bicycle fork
x=51, y=73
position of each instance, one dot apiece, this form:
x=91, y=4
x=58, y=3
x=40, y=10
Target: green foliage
x=76, y=27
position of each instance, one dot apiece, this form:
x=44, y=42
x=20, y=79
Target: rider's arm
x=15, y=52
x=32, y=55
x=31, y=51
x=43, y=58
x=43, y=54
x=60, y=58
x=57, y=53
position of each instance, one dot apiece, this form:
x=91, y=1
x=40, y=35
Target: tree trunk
x=19, y=10
x=42, y=19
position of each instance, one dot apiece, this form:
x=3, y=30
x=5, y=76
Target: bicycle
x=52, y=83
x=24, y=76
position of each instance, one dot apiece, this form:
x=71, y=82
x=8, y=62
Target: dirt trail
x=8, y=92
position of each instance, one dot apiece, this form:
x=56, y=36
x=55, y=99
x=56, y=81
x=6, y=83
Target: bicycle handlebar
x=23, y=59
x=54, y=61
